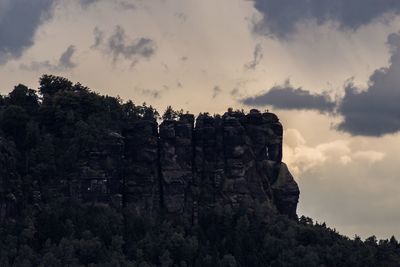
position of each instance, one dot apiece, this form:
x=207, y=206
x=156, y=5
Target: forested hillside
x=91, y=180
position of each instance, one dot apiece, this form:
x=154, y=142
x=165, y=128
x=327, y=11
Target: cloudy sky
x=329, y=69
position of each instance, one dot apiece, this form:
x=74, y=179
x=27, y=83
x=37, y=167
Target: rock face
x=239, y=157
x=141, y=181
x=101, y=172
x=188, y=166
x=286, y=191
x=176, y=162
x=209, y=163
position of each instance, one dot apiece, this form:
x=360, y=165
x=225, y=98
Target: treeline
x=62, y=233
x=44, y=133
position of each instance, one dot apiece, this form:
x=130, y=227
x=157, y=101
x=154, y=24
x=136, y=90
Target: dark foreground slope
x=87, y=180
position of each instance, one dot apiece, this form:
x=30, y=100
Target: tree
x=24, y=97
x=49, y=260
x=50, y=85
x=150, y=113
x=165, y=259
x=13, y=122
x=228, y=261
x=371, y=241
x=171, y=114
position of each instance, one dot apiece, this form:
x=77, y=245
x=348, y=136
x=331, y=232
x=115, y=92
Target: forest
x=43, y=135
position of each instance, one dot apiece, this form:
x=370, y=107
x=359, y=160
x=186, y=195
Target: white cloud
x=301, y=158
x=369, y=156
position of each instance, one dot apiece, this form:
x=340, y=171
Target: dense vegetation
x=42, y=136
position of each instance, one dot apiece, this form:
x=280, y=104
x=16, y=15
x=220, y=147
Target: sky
x=329, y=69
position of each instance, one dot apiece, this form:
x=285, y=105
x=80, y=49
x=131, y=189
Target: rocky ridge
x=185, y=166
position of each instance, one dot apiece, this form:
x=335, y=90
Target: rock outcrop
x=238, y=157
x=184, y=167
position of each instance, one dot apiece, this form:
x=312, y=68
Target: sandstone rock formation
x=188, y=166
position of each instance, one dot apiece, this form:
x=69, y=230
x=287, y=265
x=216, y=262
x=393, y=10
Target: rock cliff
x=188, y=165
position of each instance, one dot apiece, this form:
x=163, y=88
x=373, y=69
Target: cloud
x=64, y=63
x=165, y=66
x=281, y=17
x=288, y=97
x=369, y=156
x=257, y=57
x=302, y=158
x=119, y=47
x=98, y=37
x=234, y=92
x=376, y=110
x=86, y=3
x=123, y=4
x=117, y=4
x=153, y=93
x=126, y=5
x=181, y=16
x=19, y=21
x=216, y=91
x=355, y=198
x=371, y=111
x=37, y=66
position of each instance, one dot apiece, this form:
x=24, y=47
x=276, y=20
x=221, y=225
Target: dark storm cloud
x=257, y=57
x=281, y=16
x=375, y=111
x=118, y=46
x=19, y=21
x=371, y=111
x=287, y=97
x=64, y=63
